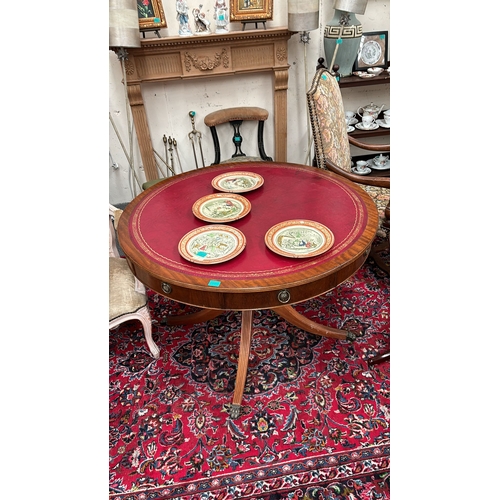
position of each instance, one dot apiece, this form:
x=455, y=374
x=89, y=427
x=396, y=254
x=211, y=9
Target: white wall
x=168, y=104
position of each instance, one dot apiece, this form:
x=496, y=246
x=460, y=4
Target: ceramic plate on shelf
x=387, y=165
x=367, y=75
x=371, y=52
x=299, y=238
x=350, y=129
x=382, y=123
x=373, y=126
x=237, y=182
x=353, y=121
x=221, y=207
x=366, y=171
x=212, y=244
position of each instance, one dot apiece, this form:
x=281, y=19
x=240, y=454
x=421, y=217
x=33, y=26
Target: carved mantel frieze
x=206, y=63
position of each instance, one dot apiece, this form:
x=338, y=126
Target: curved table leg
x=379, y=358
x=193, y=318
x=375, y=254
x=292, y=316
x=244, y=354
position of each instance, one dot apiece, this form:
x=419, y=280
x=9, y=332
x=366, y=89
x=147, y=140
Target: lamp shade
x=355, y=6
x=303, y=15
x=124, y=24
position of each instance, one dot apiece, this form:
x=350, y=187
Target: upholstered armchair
x=127, y=295
x=331, y=141
x=332, y=147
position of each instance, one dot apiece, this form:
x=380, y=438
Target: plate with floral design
x=212, y=244
x=237, y=182
x=299, y=238
x=221, y=207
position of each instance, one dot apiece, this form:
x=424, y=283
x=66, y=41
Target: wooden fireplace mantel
x=208, y=56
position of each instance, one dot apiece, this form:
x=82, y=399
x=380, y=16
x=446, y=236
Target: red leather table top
x=164, y=215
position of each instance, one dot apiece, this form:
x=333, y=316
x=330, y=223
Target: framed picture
x=251, y=10
x=151, y=15
x=373, y=51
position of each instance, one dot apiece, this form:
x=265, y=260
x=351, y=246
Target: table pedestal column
x=244, y=355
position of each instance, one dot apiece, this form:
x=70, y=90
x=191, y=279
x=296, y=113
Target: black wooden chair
x=217, y=121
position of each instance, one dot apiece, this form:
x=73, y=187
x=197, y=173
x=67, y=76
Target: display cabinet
x=356, y=81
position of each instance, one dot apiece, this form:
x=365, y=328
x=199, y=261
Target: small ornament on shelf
x=201, y=22
x=183, y=18
x=221, y=16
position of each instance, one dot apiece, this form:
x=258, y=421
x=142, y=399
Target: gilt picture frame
x=250, y=10
x=151, y=15
x=373, y=51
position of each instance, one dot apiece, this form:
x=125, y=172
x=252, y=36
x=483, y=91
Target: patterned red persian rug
x=315, y=414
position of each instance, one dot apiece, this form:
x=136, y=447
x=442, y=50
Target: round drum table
x=153, y=224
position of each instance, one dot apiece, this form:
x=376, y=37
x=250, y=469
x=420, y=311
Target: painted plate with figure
x=221, y=207
x=237, y=182
x=212, y=244
x=299, y=238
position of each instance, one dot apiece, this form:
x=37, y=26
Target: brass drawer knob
x=284, y=296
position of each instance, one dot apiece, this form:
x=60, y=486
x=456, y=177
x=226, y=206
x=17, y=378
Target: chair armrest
x=384, y=182
x=367, y=146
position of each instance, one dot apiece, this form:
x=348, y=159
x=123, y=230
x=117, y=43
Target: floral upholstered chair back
x=326, y=112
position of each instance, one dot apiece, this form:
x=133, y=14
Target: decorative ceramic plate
x=350, y=128
x=367, y=75
x=373, y=126
x=299, y=238
x=237, y=182
x=387, y=165
x=371, y=52
x=353, y=121
x=212, y=244
x=221, y=207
